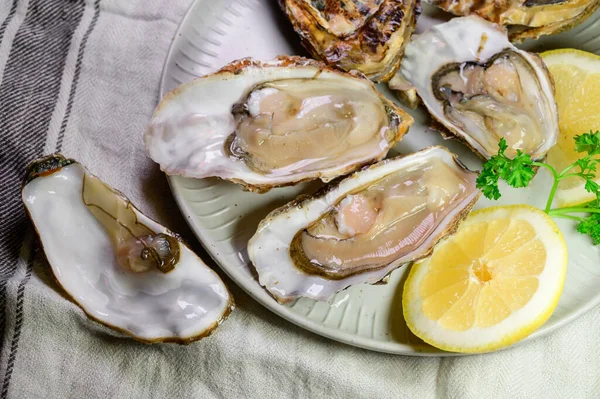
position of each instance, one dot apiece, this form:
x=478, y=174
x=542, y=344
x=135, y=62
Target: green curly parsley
x=518, y=172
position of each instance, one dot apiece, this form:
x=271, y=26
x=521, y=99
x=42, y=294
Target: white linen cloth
x=108, y=90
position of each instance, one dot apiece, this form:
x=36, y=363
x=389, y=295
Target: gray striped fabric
x=28, y=94
x=82, y=76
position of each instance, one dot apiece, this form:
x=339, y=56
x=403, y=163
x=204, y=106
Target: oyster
x=363, y=227
x=270, y=124
x=123, y=269
x=364, y=35
x=525, y=18
x=404, y=91
x=480, y=88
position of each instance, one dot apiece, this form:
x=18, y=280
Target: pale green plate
x=224, y=217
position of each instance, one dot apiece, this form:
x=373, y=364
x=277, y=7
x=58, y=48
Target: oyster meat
x=364, y=35
x=270, y=124
x=480, y=88
x=364, y=227
x=123, y=269
x=525, y=18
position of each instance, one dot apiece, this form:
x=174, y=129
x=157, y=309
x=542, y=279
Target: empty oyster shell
x=270, y=124
x=481, y=88
x=123, y=269
x=362, y=228
x=525, y=18
x=364, y=35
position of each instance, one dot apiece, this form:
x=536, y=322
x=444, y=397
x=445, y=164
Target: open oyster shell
x=364, y=35
x=363, y=227
x=271, y=124
x=480, y=88
x=525, y=18
x=123, y=269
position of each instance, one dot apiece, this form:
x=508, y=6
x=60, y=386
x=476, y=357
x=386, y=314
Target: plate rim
x=259, y=294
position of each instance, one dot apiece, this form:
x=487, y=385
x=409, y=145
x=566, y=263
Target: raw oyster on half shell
x=480, y=88
x=271, y=124
x=525, y=18
x=364, y=35
x=363, y=227
x=122, y=268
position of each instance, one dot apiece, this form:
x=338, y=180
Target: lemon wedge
x=576, y=75
x=491, y=284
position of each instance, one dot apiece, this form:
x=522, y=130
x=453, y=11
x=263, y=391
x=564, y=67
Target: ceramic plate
x=224, y=217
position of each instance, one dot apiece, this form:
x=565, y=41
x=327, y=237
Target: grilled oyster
x=481, y=88
x=363, y=227
x=365, y=35
x=270, y=124
x=123, y=269
x=525, y=18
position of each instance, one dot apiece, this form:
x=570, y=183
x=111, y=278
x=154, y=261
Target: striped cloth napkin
x=81, y=77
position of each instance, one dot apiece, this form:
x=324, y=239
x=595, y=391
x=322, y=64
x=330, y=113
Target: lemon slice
x=491, y=284
x=577, y=78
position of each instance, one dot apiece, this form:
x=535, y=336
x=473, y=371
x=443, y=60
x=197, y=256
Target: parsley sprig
x=520, y=170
